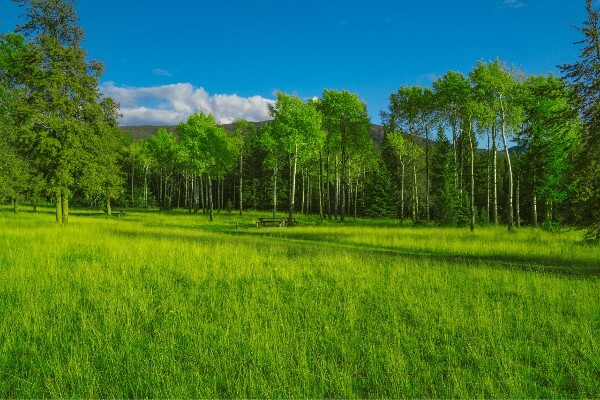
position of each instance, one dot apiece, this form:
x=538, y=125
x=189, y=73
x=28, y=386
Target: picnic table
x=281, y=222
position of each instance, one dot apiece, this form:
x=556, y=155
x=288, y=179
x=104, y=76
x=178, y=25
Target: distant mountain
x=143, y=132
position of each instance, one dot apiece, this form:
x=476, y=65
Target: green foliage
x=296, y=126
x=445, y=196
x=484, y=218
x=583, y=77
x=552, y=130
x=402, y=148
x=296, y=130
x=346, y=121
x=206, y=147
x=60, y=111
x=381, y=192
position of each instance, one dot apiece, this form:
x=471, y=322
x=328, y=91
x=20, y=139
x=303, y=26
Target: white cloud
x=161, y=72
x=513, y=4
x=171, y=104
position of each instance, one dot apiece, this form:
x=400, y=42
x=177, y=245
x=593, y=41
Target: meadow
x=170, y=305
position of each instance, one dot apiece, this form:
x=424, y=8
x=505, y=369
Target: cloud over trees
x=171, y=104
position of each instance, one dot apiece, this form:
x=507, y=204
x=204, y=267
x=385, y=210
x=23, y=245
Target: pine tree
x=381, y=193
x=61, y=112
x=584, y=77
x=445, y=200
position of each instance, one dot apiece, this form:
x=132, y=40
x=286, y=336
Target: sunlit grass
x=170, y=305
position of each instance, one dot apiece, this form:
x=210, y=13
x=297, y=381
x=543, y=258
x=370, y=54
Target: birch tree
x=296, y=128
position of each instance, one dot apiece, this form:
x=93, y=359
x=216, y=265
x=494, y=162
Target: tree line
x=493, y=146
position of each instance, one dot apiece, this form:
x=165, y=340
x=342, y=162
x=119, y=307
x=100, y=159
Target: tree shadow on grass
x=320, y=243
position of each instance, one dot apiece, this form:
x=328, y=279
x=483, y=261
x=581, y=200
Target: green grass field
x=170, y=305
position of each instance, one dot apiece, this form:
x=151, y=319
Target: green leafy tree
x=405, y=115
x=404, y=151
x=103, y=150
x=209, y=149
x=161, y=149
x=267, y=142
x=242, y=132
x=61, y=106
x=496, y=87
x=296, y=128
x=551, y=132
x=347, y=124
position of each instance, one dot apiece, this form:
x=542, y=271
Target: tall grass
x=155, y=305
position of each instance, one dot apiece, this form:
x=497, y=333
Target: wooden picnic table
x=281, y=222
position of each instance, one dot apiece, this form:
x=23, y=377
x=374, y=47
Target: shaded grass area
x=155, y=305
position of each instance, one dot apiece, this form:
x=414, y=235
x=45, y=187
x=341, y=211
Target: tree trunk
x=328, y=187
x=202, y=196
x=221, y=207
x=321, y=215
x=461, y=160
x=275, y=189
x=495, y=173
x=517, y=201
x=510, y=178
x=15, y=205
x=344, y=174
x=349, y=197
x=415, y=207
x=210, y=199
x=219, y=194
x=342, y=192
x=336, y=175
x=356, y=199
x=535, y=214
x=362, y=190
x=455, y=154
x=190, y=192
x=402, y=194
x=108, y=209
x=178, y=192
x=472, y=202
x=132, y=191
x=59, y=207
x=302, y=201
x=161, y=204
x=65, y=207
x=427, y=186
x=241, y=184
x=308, y=193
x=488, y=179
x=293, y=185
x=145, y=186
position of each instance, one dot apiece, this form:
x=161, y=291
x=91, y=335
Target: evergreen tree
x=445, y=205
x=61, y=110
x=584, y=77
x=381, y=192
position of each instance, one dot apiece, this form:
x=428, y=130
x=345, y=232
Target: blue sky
x=167, y=59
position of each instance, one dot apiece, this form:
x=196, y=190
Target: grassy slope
x=161, y=305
